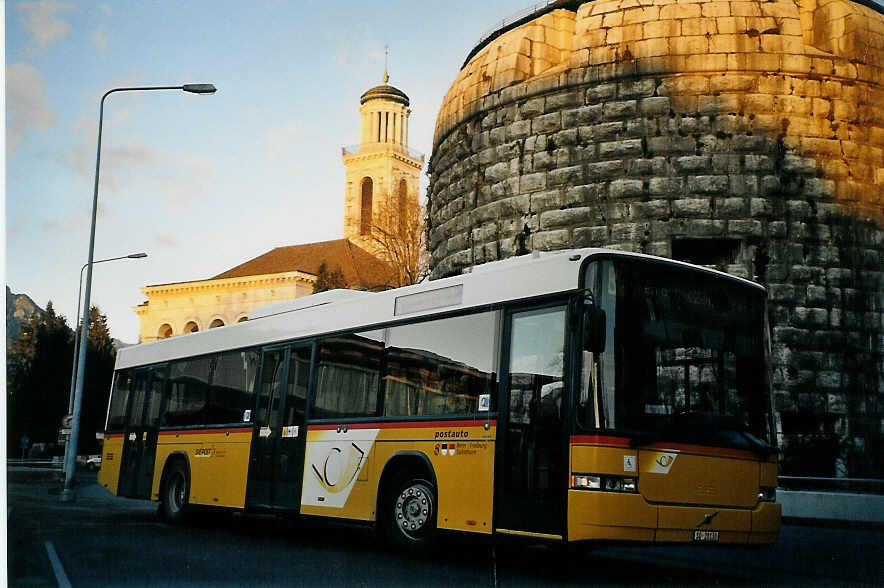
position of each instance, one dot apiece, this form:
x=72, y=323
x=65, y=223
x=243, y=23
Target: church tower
x=382, y=172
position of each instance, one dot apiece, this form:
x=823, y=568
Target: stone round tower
x=746, y=135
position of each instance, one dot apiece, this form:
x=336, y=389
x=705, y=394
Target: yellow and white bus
x=585, y=395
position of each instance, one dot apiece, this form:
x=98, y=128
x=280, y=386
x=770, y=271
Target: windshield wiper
x=758, y=447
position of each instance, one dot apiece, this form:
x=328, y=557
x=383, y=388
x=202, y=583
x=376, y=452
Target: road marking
x=493, y=565
x=60, y=577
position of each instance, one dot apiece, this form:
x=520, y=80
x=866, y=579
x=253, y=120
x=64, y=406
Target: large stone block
x=628, y=147
x=625, y=188
x=565, y=218
x=605, y=169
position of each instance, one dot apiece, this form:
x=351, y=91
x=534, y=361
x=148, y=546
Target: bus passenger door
x=288, y=469
x=278, y=443
x=135, y=439
x=532, y=458
x=156, y=398
x=259, y=490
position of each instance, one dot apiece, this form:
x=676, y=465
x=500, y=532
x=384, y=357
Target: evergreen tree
x=39, y=376
x=39, y=389
x=328, y=280
x=100, y=358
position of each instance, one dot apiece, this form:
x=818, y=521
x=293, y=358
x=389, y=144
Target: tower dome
x=385, y=92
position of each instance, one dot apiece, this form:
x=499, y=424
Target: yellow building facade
x=382, y=177
x=280, y=274
x=188, y=307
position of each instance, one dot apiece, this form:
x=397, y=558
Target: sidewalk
x=20, y=474
x=848, y=507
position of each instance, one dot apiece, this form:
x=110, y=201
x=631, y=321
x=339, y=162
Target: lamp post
x=77, y=341
x=76, y=337
x=67, y=494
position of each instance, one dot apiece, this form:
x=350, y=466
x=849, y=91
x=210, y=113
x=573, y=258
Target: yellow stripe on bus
x=530, y=534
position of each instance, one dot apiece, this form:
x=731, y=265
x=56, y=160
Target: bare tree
x=399, y=236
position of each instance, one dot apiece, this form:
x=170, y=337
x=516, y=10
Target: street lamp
x=77, y=339
x=67, y=494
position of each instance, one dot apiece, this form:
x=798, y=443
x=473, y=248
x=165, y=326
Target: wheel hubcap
x=414, y=507
x=176, y=494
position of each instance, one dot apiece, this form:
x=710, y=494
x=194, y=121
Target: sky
x=200, y=183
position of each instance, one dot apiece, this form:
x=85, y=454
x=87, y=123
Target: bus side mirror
x=594, y=329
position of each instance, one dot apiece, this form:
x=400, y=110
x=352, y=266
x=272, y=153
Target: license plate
x=706, y=536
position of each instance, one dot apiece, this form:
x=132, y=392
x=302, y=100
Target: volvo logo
x=707, y=519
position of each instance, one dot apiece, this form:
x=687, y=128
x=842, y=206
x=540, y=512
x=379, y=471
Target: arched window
x=365, y=218
x=403, y=205
x=216, y=323
x=165, y=331
x=191, y=327
x=243, y=319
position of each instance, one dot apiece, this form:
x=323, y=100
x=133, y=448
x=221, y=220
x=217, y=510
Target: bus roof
x=518, y=278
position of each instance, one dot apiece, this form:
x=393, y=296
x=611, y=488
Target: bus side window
x=347, y=376
x=188, y=392
x=139, y=392
x=296, y=399
x=440, y=367
x=233, y=385
x=157, y=391
x=116, y=418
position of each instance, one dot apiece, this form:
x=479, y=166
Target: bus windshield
x=685, y=357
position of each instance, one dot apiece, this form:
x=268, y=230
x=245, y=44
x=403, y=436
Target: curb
x=847, y=507
x=19, y=475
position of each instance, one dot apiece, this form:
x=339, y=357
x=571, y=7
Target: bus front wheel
x=174, y=494
x=411, y=514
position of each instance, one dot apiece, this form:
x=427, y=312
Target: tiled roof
x=359, y=267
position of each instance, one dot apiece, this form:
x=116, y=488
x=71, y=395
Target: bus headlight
x=603, y=482
x=767, y=494
x=586, y=482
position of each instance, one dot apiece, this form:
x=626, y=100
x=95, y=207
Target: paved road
x=105, y=541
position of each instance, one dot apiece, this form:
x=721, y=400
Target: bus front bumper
x=610, y=516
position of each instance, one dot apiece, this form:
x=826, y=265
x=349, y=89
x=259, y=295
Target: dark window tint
x=139, y=392
x=188, y=392
x=440, y=367
x=296, y=395
x=271, y=378
x=233, y=386
x=116, y=418
x=157, y=390
x=347, y=376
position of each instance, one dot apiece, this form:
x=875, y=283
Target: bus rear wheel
x=174, y=494
x=411, y=514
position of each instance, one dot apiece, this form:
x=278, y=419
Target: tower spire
x=386, y=53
